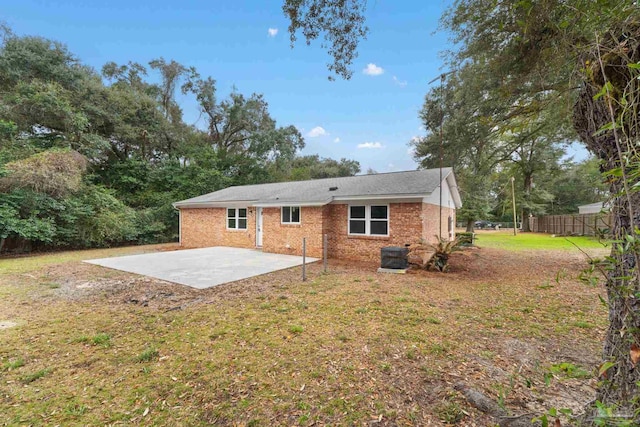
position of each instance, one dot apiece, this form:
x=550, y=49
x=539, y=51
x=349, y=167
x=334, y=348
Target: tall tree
x=461, y=131
x=577, y=184
x=242, y=132
x=316, y=167
x=538, y=148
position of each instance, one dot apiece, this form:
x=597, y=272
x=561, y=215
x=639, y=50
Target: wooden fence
x=577, y=224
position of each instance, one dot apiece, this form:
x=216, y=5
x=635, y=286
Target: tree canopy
x=93, y=159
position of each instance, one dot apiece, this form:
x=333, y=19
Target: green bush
x=466, y=238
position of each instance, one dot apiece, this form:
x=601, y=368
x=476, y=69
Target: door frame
x=259, y=227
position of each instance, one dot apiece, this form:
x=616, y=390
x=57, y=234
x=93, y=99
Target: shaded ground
x=351, y=347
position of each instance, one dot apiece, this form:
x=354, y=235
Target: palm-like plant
x=443, y=248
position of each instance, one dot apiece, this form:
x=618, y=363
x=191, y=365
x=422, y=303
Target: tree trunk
x=528, y=185
x=619, y=386
x=470, y=223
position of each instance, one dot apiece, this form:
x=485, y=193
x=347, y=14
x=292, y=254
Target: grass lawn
x=527, y=241
x=94, y=346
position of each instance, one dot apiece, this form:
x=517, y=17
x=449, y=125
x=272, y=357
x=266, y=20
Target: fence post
x=324, y=251
x=304, y=259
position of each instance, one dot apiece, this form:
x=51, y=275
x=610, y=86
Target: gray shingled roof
x=410, y=183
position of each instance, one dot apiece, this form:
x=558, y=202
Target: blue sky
x=245, y=44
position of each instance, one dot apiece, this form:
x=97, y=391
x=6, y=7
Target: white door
x=259, y=227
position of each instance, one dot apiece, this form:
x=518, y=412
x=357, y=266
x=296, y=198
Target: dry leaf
x=146, y=411
x=635, y=354
x=557, y=423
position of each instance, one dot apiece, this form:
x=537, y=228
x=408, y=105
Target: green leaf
x=606, y=127
x=606, y=88
x=605, y=367
x=634, y=66
x=602, y=300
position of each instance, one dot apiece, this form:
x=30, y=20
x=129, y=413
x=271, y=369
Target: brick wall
x=408, y=222
x=405, y=227
x=203, y=227
x=430, y=224
x=287, y=238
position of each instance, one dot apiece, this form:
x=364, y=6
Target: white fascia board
x=403, y=197
x=228, y=204
x=290, y=203
x=453, y=189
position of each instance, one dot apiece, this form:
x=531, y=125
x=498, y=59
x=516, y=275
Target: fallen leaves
x=374, y=348
x=635, y=354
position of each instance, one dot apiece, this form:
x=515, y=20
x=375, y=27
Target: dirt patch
x=6, y=324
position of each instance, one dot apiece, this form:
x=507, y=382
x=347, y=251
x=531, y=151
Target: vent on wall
x=333, y=188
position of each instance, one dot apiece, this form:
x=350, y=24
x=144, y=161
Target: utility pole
x=513, y=199
x=441, y=77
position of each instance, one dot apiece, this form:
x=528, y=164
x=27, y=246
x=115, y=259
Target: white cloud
x=373, y=70
x=370, y=145
x=411, y=151
x=316, y=132
x=336, y=140
x=272, y=32
x=401, y=83
x=416, y=139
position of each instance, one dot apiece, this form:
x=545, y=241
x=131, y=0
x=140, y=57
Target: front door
x=259, y=227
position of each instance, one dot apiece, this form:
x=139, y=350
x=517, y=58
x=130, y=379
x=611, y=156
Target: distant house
x=591, y=208
x=359, y=214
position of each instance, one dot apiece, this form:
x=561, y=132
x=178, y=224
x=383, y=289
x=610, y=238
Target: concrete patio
x=202, y=268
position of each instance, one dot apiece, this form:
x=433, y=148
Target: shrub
x=466, y=239
x=54, y=172
x=443, y=250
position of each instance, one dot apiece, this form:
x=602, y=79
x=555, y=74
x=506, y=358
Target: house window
x=291, y=214
x=237, y=218
x=369, y=220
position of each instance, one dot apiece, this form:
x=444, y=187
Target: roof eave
x=279, y=203
x=453, y=188
x=381, y=196
x=213, y=204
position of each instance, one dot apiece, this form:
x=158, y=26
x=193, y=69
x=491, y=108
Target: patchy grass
x=534, y=241
x=12, y=364
x=350, y=347
x=101, y=339
x=29, y=378
x=28, y=263
x=147, y=355
x=569, y=370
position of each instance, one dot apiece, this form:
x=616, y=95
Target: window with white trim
x=291, y=214
x=237, y=218
x=369, y=220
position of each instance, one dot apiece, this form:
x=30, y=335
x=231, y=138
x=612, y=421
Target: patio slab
x=202, y=268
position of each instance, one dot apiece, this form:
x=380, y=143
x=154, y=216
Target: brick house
x=360, y=214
